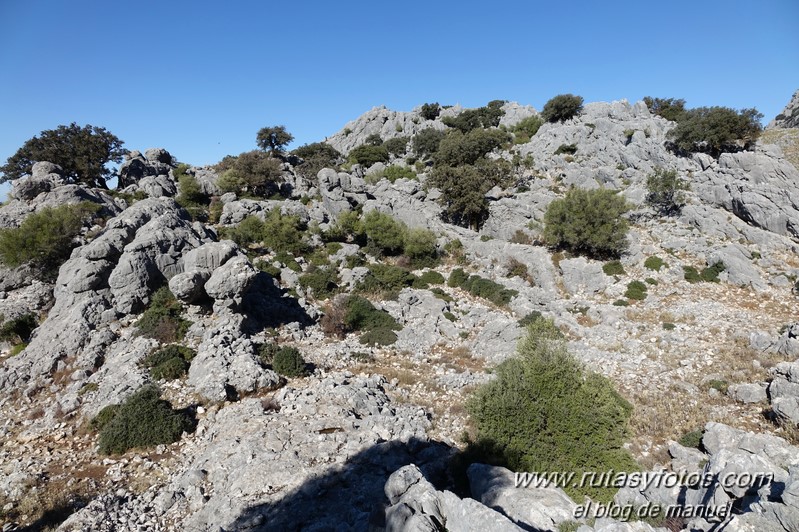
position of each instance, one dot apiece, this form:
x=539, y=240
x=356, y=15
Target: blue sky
x=201, y=77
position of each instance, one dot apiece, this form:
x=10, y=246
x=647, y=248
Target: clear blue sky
x=201, y=77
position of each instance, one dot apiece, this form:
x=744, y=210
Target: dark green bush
x=711, y=273
x=716, y=130
x=440, y=294
x=266, y=353
x=162, y=320
x=273, y=138
x=690, y=274
x=669, y=108
x=719, y=385
x=394, y=172
x=457, y=277
x=692, y=439
x=568, y=149
x=613, y=267
x=488, y=289
x=472, y=119
x=361, y=315
x=103, y=417
x=283, y=233
x=323, y=282
x=316, y=156
x=665, y=191
x=545, y=412
x=428, y=278
x=530, y=318
x=368, y=155
x=621, y=303
x=636, y=290
x=458, y=149
x=170, y=362
x=427, y=141
x=419, y=245
x=377, y=337
x=288, y=361
x=385, y=278
x=397, y=145
x=252, y=173
x=562, y=107
x=527, y=128
x=668, y=326
x=17, y=330
x=373, y=140
x=45, y=239
x=430, y=111
x=588, y=221
x=249, y=231
x=142, y=420
x=654, y=263
x=385, y=234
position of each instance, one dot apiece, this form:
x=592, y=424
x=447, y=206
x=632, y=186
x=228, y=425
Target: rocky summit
x=583, y=318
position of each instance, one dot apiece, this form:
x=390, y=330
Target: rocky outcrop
x=155, y=162
x=789, y=117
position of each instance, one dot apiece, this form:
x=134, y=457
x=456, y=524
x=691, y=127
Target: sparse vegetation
x=482, y=287
x=665, y=191
x=288, y=361
x=636, y=290
x=613, y=267
x=162, y=320
x=170, y=362
x=18, y=329
x=654, y=263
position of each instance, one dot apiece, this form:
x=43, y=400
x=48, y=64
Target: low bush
x=635, y=290
x=430, y=111
x=367, y=155
x=690, y=274
x=481, y=287
x=546, y=412
x=361, y=315
x=621, y=303
x=669, y=108
x=530, y=318
x=527, y=128
x=288, y=361
x=323, y=282
x=457, y=278
x=562, y=107
x=427, y=141
x=378, y=337
x=665, y=191
x=385, y=278
x=568, y=149
x=654, y=263
x=441, y=294
x=17, y=330
x=588, y=221
x=711, y=273
x=162, y=320
x=419, y=245
x=428, y=278
x=692, y=439
x=142, y=420
x=253, y=173
x=283, y=233
x=384, y=234
x=613, y=267
x=458, y=149
x=396, y=147
x=45, y=239
x=315, y=157
x=480, y=118
x=170, y=362
x=716, y=130
x=248, y=232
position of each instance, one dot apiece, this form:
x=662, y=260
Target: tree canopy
x=274, y=139
x=82, y=152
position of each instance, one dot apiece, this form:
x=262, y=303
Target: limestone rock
x=789, y=117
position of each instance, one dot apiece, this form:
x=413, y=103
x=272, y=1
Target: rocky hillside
x=315, y=346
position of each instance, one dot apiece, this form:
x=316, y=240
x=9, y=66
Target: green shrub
x=527, y=128
x=669, y=108
x=430, y=111
x=458, y=149
x=316, y=156
x=427, y=141
x=252, y=173
x=377, y=337
x=530, y=318
x=170, y=362
x=621, y=303
x=142, y=420
x=636, y=290
x=273, y=138
x=716, y=130
x=103, y=417
x=288, y=361
x=457, y=278
x=45, y=239
x=692, y=439
x=562, y=107
x=17, y=330
x=545, y=412
x=361, y=315
x=397, y=147
x=368, y=155
x=568, y=149
x=668, y=326
x=588, y=221
x=428, y=278
x=385, y=278
x=665, y=191
x=249, y=231
x=419, y=245
x=654, y=263
x=440, y=294
x=690, y=274
x=283, y=233
x=384, y=234
x=267, y=267
x=488, y=289
x=162, y=319
x=323, y=282
x=650, y=280
x=472, y=119
x=17, y=349
x=711, y=273
x=613, y=267
x=266, y=353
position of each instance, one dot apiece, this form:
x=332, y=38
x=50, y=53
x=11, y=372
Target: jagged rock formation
x=789, y=117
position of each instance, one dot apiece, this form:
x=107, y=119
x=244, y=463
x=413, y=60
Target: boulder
x=230, y=281
x=789, y=117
